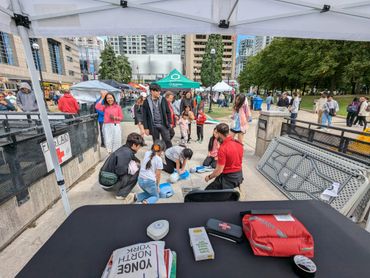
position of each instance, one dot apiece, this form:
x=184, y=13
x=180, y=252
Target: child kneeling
x=213, y=146
x=150, y=174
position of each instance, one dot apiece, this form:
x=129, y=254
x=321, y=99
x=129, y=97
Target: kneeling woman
x=112, y=121
x=176, y=158
x=150, y=174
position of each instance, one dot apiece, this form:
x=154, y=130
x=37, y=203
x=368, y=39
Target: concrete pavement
x=87, y=192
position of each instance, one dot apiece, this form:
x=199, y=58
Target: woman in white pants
x=112, y=121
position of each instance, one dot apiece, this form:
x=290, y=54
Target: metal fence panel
x=22, y=162
x=302, y=171
x=341, y=141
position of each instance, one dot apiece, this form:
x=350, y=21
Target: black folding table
x=82, y=245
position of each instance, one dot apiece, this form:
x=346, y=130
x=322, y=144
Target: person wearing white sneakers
x=150, y=174
x=125, y=166
x=362, y=112
x=331, y=108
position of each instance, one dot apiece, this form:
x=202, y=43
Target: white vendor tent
x=222, y=87
x=324, y=19
x=199, y=90
x=89, y=91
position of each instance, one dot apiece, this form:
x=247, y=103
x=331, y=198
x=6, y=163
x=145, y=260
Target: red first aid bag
x=277, y=235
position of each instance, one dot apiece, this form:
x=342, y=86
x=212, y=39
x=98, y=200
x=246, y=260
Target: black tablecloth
x=83, y=243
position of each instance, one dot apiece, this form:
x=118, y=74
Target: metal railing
x=16, y=126
x=349, y=143
x=22, y=160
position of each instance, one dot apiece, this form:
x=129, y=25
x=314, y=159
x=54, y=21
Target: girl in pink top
x=213, y=146
x=241, y=116
x=112, y=121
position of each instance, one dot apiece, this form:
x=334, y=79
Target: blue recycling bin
x=257, y=103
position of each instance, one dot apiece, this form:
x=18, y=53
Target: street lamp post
x=36, y=47
x=138, y=74
x=213, y=54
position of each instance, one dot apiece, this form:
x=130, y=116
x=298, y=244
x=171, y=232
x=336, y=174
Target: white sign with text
x=63, y=147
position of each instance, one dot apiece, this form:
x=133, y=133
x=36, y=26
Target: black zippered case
x=224, y=230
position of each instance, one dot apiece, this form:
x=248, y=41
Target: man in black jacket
x=157, y=115
x=283, y=100
x=118, y=163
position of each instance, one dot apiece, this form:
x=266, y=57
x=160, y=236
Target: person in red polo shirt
x=68, y=104
x=228, y=173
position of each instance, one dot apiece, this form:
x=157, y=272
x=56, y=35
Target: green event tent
x=175, y=80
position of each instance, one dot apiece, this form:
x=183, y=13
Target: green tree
x=124, y=69
x=307, y=63
x=357, y=70
x=251, y=74
x=114, y=67
x=211, y=72
x=108, y=66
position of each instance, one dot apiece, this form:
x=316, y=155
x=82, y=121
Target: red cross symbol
x=224, y=226
x=60, y=155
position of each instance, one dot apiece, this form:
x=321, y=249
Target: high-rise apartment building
x=58, y=59
x=135, y=44
x=261, y=43
x=89, y=51
x=246, y=48
x=166, y=44
x=250, y=47
x=154, y=44
x=114, y=42
x=194, y=51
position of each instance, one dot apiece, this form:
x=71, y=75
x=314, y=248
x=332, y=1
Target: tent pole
x=23, y=33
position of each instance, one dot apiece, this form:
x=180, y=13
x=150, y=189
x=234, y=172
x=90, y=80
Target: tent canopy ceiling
x=325, y=19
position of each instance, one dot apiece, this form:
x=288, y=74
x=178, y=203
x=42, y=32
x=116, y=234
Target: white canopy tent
x=222, y=86
x=325, y=19
x=199, y=90
x=89, y=91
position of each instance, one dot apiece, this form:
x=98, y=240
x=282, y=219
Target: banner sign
x=63, y=147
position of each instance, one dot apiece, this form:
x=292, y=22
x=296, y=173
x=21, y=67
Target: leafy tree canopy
x=306, y=63
x=211, y=70
x=114, y=67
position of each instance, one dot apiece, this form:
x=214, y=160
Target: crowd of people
x=25, y=100
x=357, y=112
x=157, y=116
x=326, y=107
x=291, y=102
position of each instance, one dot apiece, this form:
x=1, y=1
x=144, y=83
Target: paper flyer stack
x=149, y=260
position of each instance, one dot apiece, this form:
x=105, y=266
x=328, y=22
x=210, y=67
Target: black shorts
x=235, y=131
